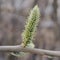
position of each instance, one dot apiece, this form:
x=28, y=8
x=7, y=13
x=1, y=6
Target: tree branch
x=31, y=50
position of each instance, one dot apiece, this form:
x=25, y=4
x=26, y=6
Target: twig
x=31, y=50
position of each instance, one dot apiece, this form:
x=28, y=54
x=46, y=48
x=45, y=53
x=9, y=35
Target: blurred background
x=13, y=15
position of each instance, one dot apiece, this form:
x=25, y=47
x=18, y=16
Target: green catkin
x=30, y=29
x=31, y=25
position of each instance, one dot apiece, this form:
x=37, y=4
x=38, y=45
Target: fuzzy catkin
x=31, y=25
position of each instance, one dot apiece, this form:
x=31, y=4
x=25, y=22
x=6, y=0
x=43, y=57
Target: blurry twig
x=31, y=50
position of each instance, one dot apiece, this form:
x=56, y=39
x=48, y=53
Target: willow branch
x=31, y=50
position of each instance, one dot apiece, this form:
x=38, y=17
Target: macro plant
x=28, y=35
x=30, y=27
x=30, y=30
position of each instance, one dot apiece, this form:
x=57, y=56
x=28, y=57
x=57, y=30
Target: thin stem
x=31, y=50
